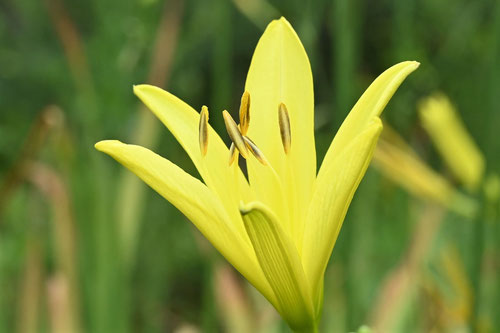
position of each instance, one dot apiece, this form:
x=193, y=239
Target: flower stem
x=313, y=329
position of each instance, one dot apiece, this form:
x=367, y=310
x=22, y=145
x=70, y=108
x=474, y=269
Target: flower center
x=240, y=142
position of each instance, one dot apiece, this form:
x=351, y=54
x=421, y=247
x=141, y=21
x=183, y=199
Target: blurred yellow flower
x=454, y=143
x=397, y=161
x=278, y=230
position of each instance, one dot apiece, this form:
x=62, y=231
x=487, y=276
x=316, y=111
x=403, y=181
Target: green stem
x=345, y=28
x=477, y=268
x=309, y=330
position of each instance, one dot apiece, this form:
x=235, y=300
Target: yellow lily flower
x=452, y=140
x=400, y=163
x=278, y=229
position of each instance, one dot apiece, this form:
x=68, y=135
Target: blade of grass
x=482, y=226
x=492, y=153
x=400, y=283
x=346, y=18
x=59, y=304
x=48, y=119
x=222, y=60
x=130, y=202
x=232, y=300
x=103, y=265
x=260, y=12
x=54, y=190
x=28, y=318
x=493, y=150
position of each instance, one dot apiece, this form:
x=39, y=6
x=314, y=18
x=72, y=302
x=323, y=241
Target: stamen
x=255, y=150
x=233, y=154
x=234, y=134
x=285, y=131
x=203, y=130
x=245, y=112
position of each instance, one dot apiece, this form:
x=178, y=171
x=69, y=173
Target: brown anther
x=235, y=134
x=285, y=131
x=233, y=154
x=255, y=150
x=203, y=130
x=245, y=112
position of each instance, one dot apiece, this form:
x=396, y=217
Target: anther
x=285, y=131
x=255, y=150
x=234, y=134
x=245, y=112
x=203, y=130
x=233, y=154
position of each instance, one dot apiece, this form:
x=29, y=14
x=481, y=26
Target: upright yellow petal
x=332, y=196
x=183, y=122
x=371, y=104
x=196, y=202
x=280, y=73
x=281, y=264
x=343, y=167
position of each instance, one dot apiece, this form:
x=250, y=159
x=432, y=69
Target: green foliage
x=84, y=57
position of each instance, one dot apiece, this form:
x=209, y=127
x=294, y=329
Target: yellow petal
x=183, y=122
x=452, y=140
x=333, y=194
x=280, y=261
x=196, y=202
x=280, y=73
x=342, y=169
x=398, y=162
x=371, y=104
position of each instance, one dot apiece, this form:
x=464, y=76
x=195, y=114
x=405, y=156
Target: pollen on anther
x=203, y=130
x=285, y=131
x=255, y=150
x=233, y=154
x=245, y=112
x=235, y=134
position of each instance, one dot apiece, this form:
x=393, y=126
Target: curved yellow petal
x=197, y=202
x=370, y=104
x=183, y=122
x=280, y=262
x=401, y=164
x=333, y=193
x=280, y=73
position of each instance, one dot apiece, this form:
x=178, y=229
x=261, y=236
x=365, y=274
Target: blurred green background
x=84, y=246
